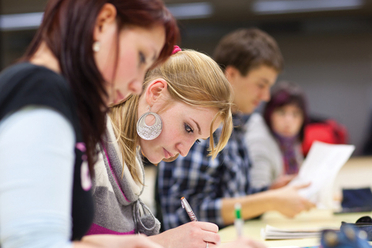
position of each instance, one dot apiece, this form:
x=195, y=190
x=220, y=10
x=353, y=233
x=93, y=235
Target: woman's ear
x=107, y=15
x=155, y=90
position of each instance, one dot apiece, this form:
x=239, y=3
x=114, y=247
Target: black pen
x=188, y=209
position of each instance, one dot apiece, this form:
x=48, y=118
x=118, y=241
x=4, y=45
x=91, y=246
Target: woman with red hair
x=86, y=56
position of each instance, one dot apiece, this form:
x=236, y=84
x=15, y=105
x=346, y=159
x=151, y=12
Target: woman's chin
x=288, y=135
x=154, y=160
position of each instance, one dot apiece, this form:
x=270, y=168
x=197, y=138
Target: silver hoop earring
x=147, y=132
x=96, y=46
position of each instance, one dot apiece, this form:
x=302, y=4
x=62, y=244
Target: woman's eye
x=197, y=141
x=188, y=129
x=142, y=58
x=280, y=112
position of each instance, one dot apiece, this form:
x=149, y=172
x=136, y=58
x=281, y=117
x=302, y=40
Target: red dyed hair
x=285, y=93
x=67, y=29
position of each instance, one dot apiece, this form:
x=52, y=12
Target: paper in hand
x=320, y=168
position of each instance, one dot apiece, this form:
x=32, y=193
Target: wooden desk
x=315, y=218
x=356, y=173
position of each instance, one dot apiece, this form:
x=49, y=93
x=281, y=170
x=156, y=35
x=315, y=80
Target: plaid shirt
x=204, y=182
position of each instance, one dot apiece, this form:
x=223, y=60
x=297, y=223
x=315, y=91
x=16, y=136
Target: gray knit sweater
x=264, y=152
x=118, y=208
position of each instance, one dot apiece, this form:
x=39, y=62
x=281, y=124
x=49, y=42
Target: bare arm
x=285, y=200
x=116, y=241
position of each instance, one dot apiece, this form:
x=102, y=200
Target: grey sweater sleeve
x=266, y=158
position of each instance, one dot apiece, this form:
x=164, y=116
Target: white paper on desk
x=320, y=168
x=270, y=232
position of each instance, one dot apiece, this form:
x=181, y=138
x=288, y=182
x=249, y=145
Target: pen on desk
x=238, y=222
x=188, y=209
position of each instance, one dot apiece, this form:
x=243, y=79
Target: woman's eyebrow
x=199, y=131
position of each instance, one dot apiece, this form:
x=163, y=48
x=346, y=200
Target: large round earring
x=96, y=46
x=147, y=132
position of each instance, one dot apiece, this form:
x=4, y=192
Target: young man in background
x=251, y=61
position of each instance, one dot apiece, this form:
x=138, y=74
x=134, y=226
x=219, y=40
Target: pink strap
x=96, y=229
x=113, y=173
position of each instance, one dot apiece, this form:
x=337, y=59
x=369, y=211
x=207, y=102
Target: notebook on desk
x=270, y=232
x=293, y=246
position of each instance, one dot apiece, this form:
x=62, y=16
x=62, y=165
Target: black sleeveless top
x=27, y=84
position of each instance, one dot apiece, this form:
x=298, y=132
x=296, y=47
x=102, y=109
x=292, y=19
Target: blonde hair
x=193, y=78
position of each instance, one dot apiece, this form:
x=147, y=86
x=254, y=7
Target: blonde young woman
x=183, y=100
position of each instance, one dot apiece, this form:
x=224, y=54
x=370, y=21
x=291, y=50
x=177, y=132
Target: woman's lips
x=167, y=154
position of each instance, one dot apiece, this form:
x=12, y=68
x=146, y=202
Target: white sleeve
x=36, y=175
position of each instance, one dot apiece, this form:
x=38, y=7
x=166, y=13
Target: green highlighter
x=238, y=222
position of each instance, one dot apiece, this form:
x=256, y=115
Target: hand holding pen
x=185, y=204
x=241, y=242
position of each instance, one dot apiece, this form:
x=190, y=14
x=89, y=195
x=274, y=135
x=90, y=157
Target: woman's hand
x=288, y=202
x=192, y=234
x=282, y=181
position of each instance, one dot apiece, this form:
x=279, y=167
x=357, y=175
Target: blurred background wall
x=326, y=44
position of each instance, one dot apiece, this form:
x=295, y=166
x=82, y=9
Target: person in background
x=184, y=100
x=85, y=56
x=274, y=139
x=323, y=129
x=251, y=61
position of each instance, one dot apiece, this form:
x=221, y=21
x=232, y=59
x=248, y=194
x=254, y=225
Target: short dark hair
x=246, y=49
x=285, y=93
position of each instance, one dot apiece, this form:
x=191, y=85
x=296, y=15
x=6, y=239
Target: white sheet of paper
x=270, y=232
x=320, y=168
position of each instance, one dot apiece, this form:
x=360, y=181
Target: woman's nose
x=290, y=116
x=135, y=87
x=184, y=147
x=266, y=95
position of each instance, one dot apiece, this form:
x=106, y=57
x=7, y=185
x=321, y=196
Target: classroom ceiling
x=261, y=10
x=232, y=10
x=205, y=12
